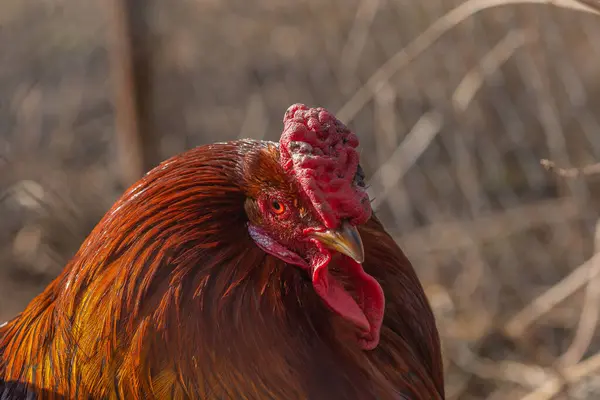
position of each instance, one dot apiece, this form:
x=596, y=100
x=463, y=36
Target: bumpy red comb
x=320, y=152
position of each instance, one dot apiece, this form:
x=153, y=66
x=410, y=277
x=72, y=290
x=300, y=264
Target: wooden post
x=131, y=66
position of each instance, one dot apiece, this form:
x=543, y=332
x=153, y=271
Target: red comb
x=320, y=152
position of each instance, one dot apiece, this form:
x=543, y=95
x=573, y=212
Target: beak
x=345, y=240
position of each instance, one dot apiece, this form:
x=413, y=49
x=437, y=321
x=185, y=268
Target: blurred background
x=455, y=104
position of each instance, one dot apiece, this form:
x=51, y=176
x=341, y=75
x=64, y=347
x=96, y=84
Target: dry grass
x=456, y=103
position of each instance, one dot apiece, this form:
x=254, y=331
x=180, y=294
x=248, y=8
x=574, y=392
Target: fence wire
x=456, y=103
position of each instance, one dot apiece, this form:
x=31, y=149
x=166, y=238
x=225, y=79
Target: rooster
x=239, y=270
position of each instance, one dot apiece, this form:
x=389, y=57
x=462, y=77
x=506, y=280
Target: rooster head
x=306, y=198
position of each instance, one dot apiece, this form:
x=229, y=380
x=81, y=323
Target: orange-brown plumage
x=170, y=297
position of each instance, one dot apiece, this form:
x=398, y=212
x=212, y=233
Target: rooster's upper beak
x=345, y=240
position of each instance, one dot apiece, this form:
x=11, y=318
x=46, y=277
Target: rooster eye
x=277, y=207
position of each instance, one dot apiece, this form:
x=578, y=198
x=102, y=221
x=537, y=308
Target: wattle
x=366, y=312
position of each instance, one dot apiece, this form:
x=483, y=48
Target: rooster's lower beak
x=345, y=240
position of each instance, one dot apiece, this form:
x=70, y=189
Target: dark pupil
x=276, y=206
